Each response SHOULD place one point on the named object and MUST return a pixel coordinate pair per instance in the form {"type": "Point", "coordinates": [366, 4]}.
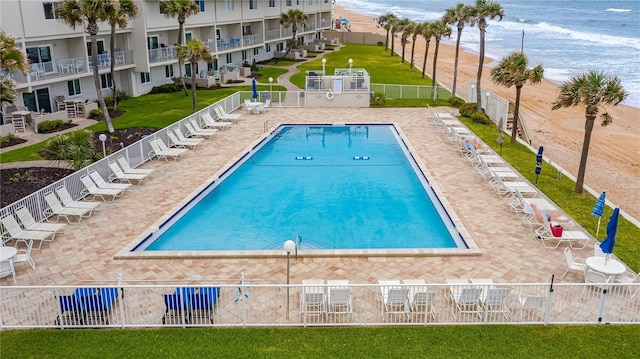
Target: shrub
{"type": "Point", "coordinates": [20, 177]}
{"type": "Point", "coordinates": [96, 114]}
{"type": "Point", "coordinates": [166, 88]}
{"type": "Point", "coordinates": [378, 99]}
{"type": "Point", "coordinates": [45, 126]}
{"type": "Point", "coordinates": [108, 100]}
{"type": "Point", "coordinates": [456, 102]}
{"type": "Point", "coordinates": [121, 95]}
{"type": "Point", "coordinates": [468, 109]}
{"type": "Point", "coordinates": [482, 118]}
{"type": "Point", "coordinates": [76, 146]}
{"type": "Point", "coordinates": [380, 43]}
{"type": "Point", "coordinates": [8, 138]}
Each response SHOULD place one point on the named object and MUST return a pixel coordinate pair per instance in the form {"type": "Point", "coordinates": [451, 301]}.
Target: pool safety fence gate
{"type": "Point", "coordinates": [211, 303]}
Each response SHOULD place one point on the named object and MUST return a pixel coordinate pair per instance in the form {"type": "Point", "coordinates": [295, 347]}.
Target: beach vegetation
{"type": "Point", "coordinates": [88, 14]}
{"type": "Point", "coordinates": [180, 9]}
{"type": "Point", "coordinates": [386, 22]}
{"type": "Point", "coordinates": [458, 15]}
{"type": "Point", "coordinates": [118, 14]}
{"type": "Point", "coordinates": [396, 27]}
{"type": "Point", "coordinates": [513, 70]}
{"type": "Point", "coordinates": [481, 118]}
{"type": "Point", "coordinates": [292, 19]}
{"type": "Point", "coordinates": [378, 99]}
{"type": "Point", "coordinates": [12, 60]}
{"type": "Point", "coordinates": [427, 33]}
{"type": "Point", "coordinates": [405, 26]}
{"type": "Point", "coordinates": [457, 102]}
{"type": "Point", "coordinates": [193, 52]}
{"type": "Point", "coordinates": [76, 147]}
{"type": "Point", "coordinates": [439, 30]}
{"type": "Point", "coordinates": [478, 15]}
{"type": "Point", "coordinates": [592, 89]}
{"type": "Point", "coordinates": [417, 30]}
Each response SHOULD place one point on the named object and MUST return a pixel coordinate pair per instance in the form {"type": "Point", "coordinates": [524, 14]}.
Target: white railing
{"type": "Point", "coordinates": [262, 303]}
{"type": "Point", "coordinates": [137, 154]}
{"type": "Point", "coordinates": [393, 91]}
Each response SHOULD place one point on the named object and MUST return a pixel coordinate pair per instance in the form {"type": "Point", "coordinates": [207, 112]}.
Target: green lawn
{"type": "Point", "coordinates": [489, 341]}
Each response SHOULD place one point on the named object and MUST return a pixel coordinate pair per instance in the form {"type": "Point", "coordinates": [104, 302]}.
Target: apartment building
{"type": "Point", "coordinates": [234, 30]}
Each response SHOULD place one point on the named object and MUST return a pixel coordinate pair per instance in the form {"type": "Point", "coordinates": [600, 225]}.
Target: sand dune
{"type": "Point", "coordinates": [614, 154]}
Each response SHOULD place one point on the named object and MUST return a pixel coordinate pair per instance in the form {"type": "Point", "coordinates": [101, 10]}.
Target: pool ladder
{"type": "Point", "coordinates": [268, 125]}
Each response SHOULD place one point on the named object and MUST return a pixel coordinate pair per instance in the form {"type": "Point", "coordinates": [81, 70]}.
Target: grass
{"type": "Point", "coordinates": [493, 341]}
{"type": "Point", "coordinates": [267, 72]}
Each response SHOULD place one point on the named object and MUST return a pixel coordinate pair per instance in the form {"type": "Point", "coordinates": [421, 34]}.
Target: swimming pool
{"type": "Point", "coordinates": [334, 186]}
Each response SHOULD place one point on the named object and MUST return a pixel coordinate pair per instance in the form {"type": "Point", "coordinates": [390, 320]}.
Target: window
{"type": "Point", "coordinates": [310, 2]}
{"type": "Point", "coordinates": [153, 42]}
{"type": "Point", "coordinates": [256, 51]}
{"type": "Point", "coordinates": [326, 1]}
{"type": "Point", "coordinates": [49, 10]}
{"type": "Point", "coordinates": [200, 4]}
{"type": "Point", "coordinates": [100, 47]}
{"type": "Point", "coordinates": [188, 36]}
{"type": "Point", "coordinates": [267, 47]}
{"type": "Point", "coordinates": [168, 71]}
{"type": "Point", "coordinates": [105, 81]}
{"type": "Point", "coordinates": [38, 99]}
{"type": "Point", "coordinates": [230, 5]}
{"type": "Point", "coordinates": [229, 58]}
{"type": "Point", "coordinates": [217, 34]}
{"type": "Point", "coordinates": [244, 55]}
{"type": "Point", "coordinates": [246, 30]}
{"type": "Point", "coordinates": [187, 70]}
{"type": "Point", "coordinates": [272, 3]}
{"type": "Point", "coordinates": [253, 4]}
{"type": "Point", "coordinates": [74, 87]}
{"type": "Point", "coordinates": [288, 3]}
{"type": "Point", "coordinates": [39, 54]}
{"type": "Point", "coordinates": [145, 77]}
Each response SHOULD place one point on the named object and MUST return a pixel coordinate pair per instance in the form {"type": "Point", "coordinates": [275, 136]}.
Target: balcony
{"type": "Point", "coordinates": [167, 53]}
{"type": "Point", "coordinates": [252, 40]}
{"type": "Point", "coordinates": [278, 34]}
{"type": "Point", "coordinates": [232, 43]}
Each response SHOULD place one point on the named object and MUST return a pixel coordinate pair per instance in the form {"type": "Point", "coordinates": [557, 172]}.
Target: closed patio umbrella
{"type": "Point", "coordinates": [609, 242]}
{"type": "Point", "coordinates": [254, 89]}
{"type": "Point", "coordinates": [598, 209]}
{"type": "Point", "coordinates": [500, 139]}
{"type": "Point", "coordinates": [539, 162]}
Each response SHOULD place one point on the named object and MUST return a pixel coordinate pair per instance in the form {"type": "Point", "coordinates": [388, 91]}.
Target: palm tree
{"type": "Point", "coordinates": [591, 89]}
{"type": "Point", "coordinates": [118, 13]}
{"type": "Point", "coordinates": [513, 71]}
{"type": "Point", "coordinates": [458, 15]}
{"type": "Point", "coordinates": [427, 33]}
{"type": "Point", "coordinates": [478, 14]}
{"type": "Point", "coordinates": [406, 26]}
{"type": "Point", "coordinates": [388, 25]}
{"type": "Point", "coordinates": [87, 13]}
{"type": "Point", "coordinates": [193, 51]}
{"type": "Point", "coordinates": [417, 30]}
{"type": "Point", "coordinates": [292, 18]}
{"type": "Point", "coordinates": [12, 59]}
{"type": "Point", "coordinates": [384, 21]}
{"type": "Point", "coordinates": [439, 29]}
{"type": "Point", "coordinates": [180, 9]}
{"type": "Point", "coordinates": [396, 27]}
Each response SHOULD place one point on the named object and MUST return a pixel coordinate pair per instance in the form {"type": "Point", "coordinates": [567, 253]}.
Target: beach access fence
{"type": "Point", "coordinates": [244, 303]}
{"type": "Point", "coordinates": [364, 38]}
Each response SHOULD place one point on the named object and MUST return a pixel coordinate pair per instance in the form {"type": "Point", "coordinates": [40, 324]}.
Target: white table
{"type": "Point", "coordinates": [6, 253]}
{"type": "Point", "coordinates": [612, 267]}
{"type": "Point", "coordinates": [255, 105]}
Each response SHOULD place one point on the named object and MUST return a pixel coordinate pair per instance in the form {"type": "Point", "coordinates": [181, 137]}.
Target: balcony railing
{"type": "Point", "coordinates": [161, 54]}
{"type": "Point", "coordinates": [252, 40]}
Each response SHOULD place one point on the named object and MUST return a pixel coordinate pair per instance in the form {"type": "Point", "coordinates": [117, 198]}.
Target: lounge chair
{"type": "Point", "coordinates": [420, 299]}
{"type": "Point", "coordinates": [17, 233]}
{"type": "Point", "coordinates": [339, 299]}
{"type": "Point", "coordinates": [466, 298]}
{"type": "Point", "coordinates": [394, 298]}
{"type": "Point", "coordinates": [212, 123]}
{"type": "Point", "coordinates": [56, 208]}
{"type": "Point", "coordinates": [68, 201]}
{"type": "Point", "coordinates": [202, 304]}
{"type": "Point", "coordinates": [181, 137]}
{"type": "Point", "coordinates": [201, 131]}
{"type": "Point", "coordinates": [71, 312]}
{"type": "Point", "coordinates": [312, 300]}
{"type": "Point", "coordinates": [127, 168]}
{"type": "Point", "coordinates": [97, 307]}
{"type": "Point", "coordinates": [90, 189]}
{"type": "Point", "coordinates": [29, 223]}
{"type": "Point", "coordinates": [177, 306]}
{"type": "Point", "coordinates": [118, 174]}
{"type": "Point", "coordinates": [569, 236]}
{"type": "Point", "coordinates": [162, 151]}
{"type": "Point", "coordinates": [101, 183]}
{"type": "Point", "coordinates": [177, 143]}
{"type": "Point", "coordinates": [225, 116]}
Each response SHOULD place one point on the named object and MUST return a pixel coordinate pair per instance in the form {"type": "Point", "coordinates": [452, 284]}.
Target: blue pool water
{"type": "Point", "coordinates": [337, 187]}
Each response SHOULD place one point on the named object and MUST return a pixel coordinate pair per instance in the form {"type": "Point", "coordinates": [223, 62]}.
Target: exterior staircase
{"type": "Point", "coordinates": [522, 132]}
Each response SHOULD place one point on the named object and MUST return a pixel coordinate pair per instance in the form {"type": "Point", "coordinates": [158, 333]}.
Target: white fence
{"type": "Point", "coordinates": [208, 303]}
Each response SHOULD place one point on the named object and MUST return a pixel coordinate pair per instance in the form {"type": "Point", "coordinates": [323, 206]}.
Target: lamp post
{"type": "Point", "coordinates": [270, 86]}
{"type": "Point", "coordinates": [289, 246]}
{"type": "Point", "coordinates": [472, 92]}
{"type": "Point", "coordinates": [350, 64]}
{"type": "Point", "coordinates": [103, 138]}
{"type": "Point", "coordinates": [486, 104]}
{"type": "Point", "coordinates": [324, 62]}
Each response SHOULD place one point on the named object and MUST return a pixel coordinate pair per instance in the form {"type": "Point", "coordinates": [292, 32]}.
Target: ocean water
{"type": "Point", "coordinates": [566, 37]}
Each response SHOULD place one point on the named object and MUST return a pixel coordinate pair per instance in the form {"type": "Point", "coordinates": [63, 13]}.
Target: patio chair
{"type": "Point", "coordinates": [210, 122]}
{"type": "Point", "coordinates": [17, 233]}
{"type": "Point", "coordinates": [101, 183]}
{"type": "Point", "coordinates": [531, 304]}
{"type": "Point", "coordinates": [596, 279]}
{"type": "Point", "coordinates": [573, 263]}
{"type": "Point", "coordinates": [160, 150]}
{"type": "Point", "coordinates": [68, 201]}
{"type": "Point", "coordinates": [394, 298]}
{"type": "Point", "coordinates": [177, 143]}
{"type": "Point", "coordinates": [127, 168]}
{"type": "Point", "coordinates": [225, 116]}
{"type": "Point", "coordinates": [56, 208]}
{"type": "Point", "coordinates": [494, 300]}
{"type": "Point", "coordinates": [267, 104]}
{"type": "Point", "coordinates": [629, 277]}
{"type": "Point", "coordinates": [420, 299]}
{"type": "Point", "coordinates": [29, 223]}
{"type": "Point", "coordinates": [24, 255]}
{"type": "Point", "coordinates": [312, 300]}
{"type": "Point", "coordinates": [339, 299]}
{"type": "Point", "coordinates": [6, 268]}
{"type": "Point", "coordinates": [90, 189]}
{"type": "Point", "coordinates": [118, 174]}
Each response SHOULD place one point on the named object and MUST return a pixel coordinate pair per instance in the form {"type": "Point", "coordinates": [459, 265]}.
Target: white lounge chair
{"type": "Point", "coordinates": [56, 208]}
{"type": "Point", "coordinates": [208, 132]}
{"type": "Point", "coordinates": [569, 236]}
{"type": "Point", "coordinates": [394, 298]}
{"type": "Point", "coordinates": [466, 298]}
{"type": "Point", "coordinates": [212, 123]}
{"type": "Point", "coordinates": [15, 232]}
{"type": "Point", "coordinates": [177, 143]}
{"type": "Point", "coordinates": [101, 183]}
{"type": "Point", "coordinates": [225, 116]}
{"type": "Point", "coordinates": [420, 299]}
{"type": "Point", "coordinates": [29, 223]}
{"type": "Point", "coordinates": [339, 299]}
{"type": "Point", "coordinates": [181, 137]}
{"type": "Point", "coordinates": [312, 300]}
{"type": "Point", "coordinates": [91, 189]}
{"type": "Point", "coordinates": [160, 150]}
{"type": "Point", "coordinates": [118, 174]}
{"type": "Point", "coordinates": [127, 168]}
{"type": "Point", "coordinates": [68, 201]}
{"type": "Point", "coordinates": [195, 133]}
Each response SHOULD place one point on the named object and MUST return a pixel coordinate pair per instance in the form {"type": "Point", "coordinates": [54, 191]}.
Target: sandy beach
{"type": "Point", "coordinates": [614, 154]}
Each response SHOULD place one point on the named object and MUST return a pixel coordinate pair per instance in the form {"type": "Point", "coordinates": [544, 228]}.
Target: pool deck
{"type": "Point", "coordinates": [508, 252]}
